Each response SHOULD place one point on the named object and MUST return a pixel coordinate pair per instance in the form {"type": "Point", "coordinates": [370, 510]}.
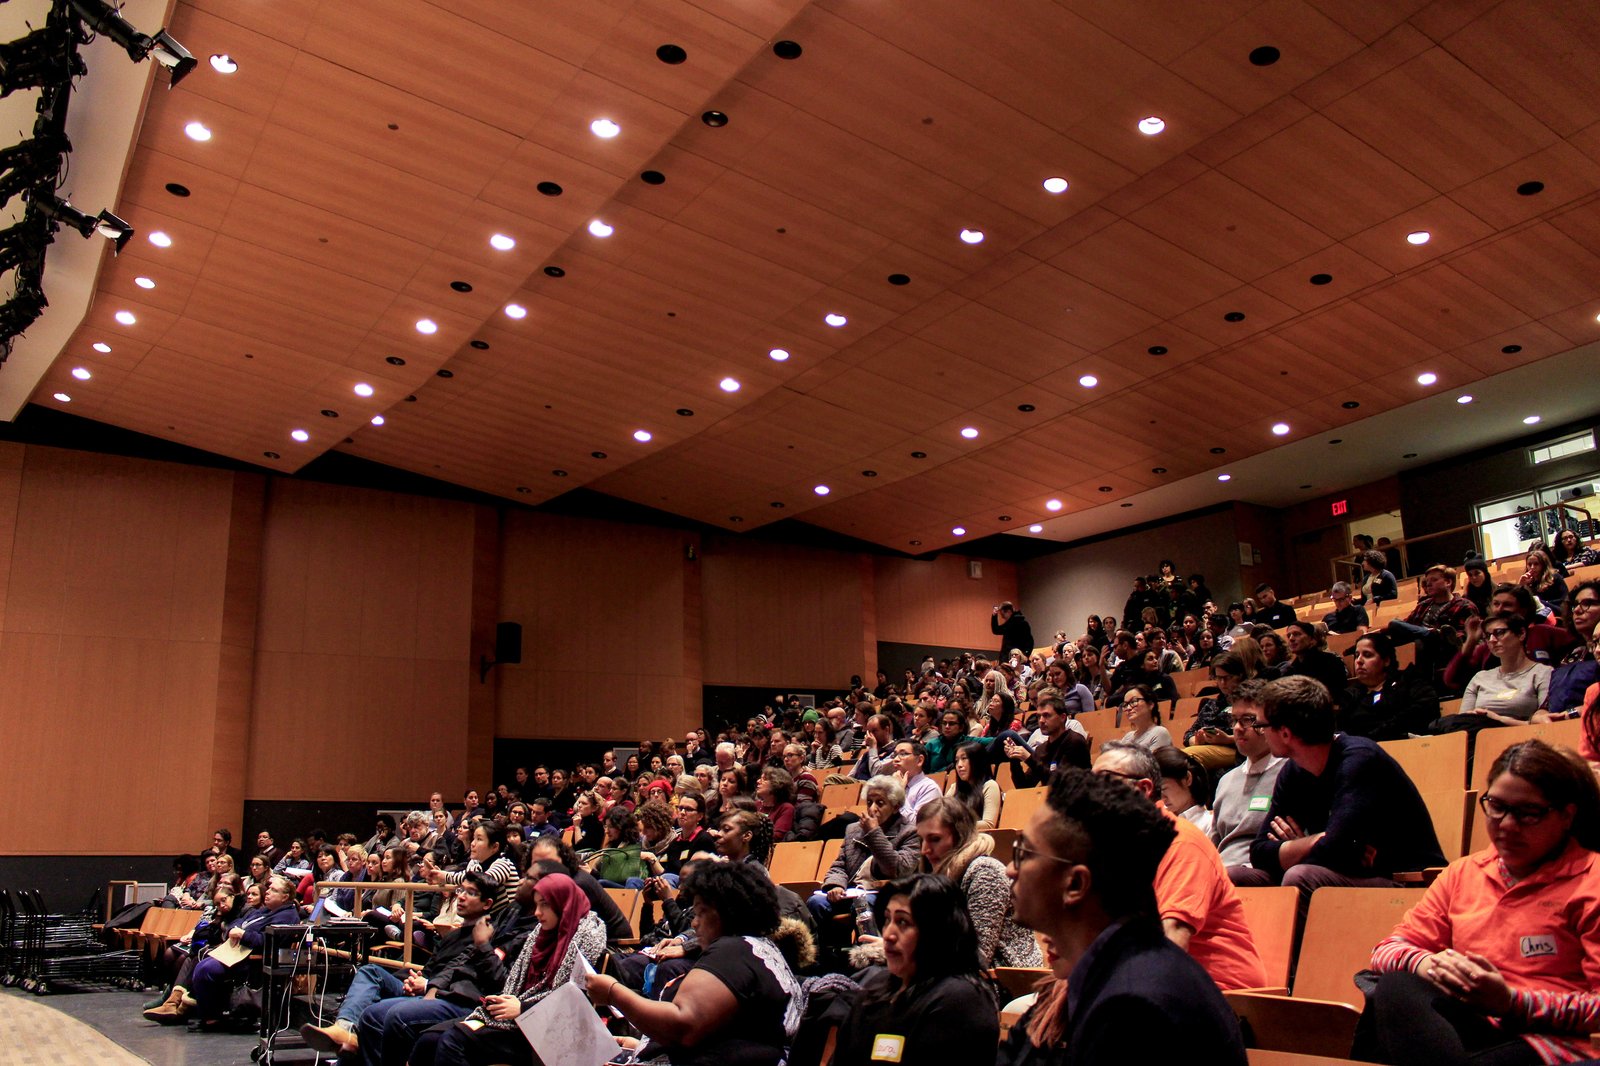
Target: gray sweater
{"type": "Point", "coordinates": [1240, 806]}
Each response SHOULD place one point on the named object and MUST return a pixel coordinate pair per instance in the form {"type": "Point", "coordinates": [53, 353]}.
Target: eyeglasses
{"type": "Point", "coordinates": [1528, 814]}
{"type": "Point", "coordinates": [1585, 604]}
{"type": "Point", "coordinates": [1020, 853]}
{"type": "Point", "coordinates": [688, 808]}
{"type": "Point", "coordinates": [1116, 773]}
{"type": "Point", "coordinates": [1494, 634]}
{"type": "Point", "coordinates": [1250, 723]}
{"type": "Point", "coordinates": [1132, 701]}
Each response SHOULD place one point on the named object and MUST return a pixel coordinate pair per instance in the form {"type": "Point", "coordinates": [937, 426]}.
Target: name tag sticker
{"type": "Point", "coordinates": [1535, 946]}
{"type": "Point", "coordinates": [1260, 803]}
{"type": "Point", "coordinates": [888, 1048]}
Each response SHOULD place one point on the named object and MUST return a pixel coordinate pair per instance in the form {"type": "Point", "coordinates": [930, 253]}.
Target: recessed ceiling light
{"type": "Point", "coordinates": [502, 242]}
{"type": "Point", "coordinates": [1151, 126]}
{"type": "Point", "coordinates": [1465, 397]}
{"type": "Point", "coordinates": [427, 326]}
{"type": "Point", "coordinates": [822, 490]}
{"type": "Point", "coordinates": [223, 63]}
{"type": "Point", "coordinates": [1088, 381]}
{"type": "Point", "coordinates": [1055, 186]}
{"type": "Point", "coordinates": [300, 435]}
{"type": "Point", "coordinates": [80, 373]}
{"type": "Point", "coordinates": [102, 347]}
{"type": "Point", "coordinates": [835, 320]}
{"type": "Point", "coordinates": [604, 128]}
{"type": "Point", "coordinates": [377, 420]}
{"type": "Point", "coordinates": [1420, 236]}
{"type": "Point", "coordinates": [970, 432]}
{"type": "Point", "coordinates": [959, 531]}
{"type": "Point", "coordinates": [600, 229]}
{"type": "Point", "coordinates": [1224, 477]}
{"type": "Point", "coordinates": [642, 436]}
{"type": "Point", "coordinates": [1052, 505]}
{"type": "Point", "coordinates": [160, 239]}
{"type": "Point", "coordinates": [516, 311]}
{"type": "Point", "coordinates": [363, 389]}
{"type": "Point", "coordinates": [972, 236]}
{"type": "Point", "coordinates": [729, 384]}
{"type": "Point", "coordinates": [1280, 429]}
{"type": "Point", "coordinates": [1427, 378]}
{"type": "Point", "coordinates": [126, 318]}
{"type": "Point", "coordinates": [63, 397]}
{"type": "Point", "coordinates": [779, 354]}
{"type": "Point", "coordinates": [1531, 420]}
{"type": "Point", "coordinates": [1035, 529]}
{"type": "Point", "coordinates": [197, 131]}
{"type": "Point", "coordinates": [144, 283]}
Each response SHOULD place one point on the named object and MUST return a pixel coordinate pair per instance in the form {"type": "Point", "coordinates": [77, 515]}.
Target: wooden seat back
{"type": "Point", "coordinates": [1343, 925]}
{"type": "Point", "coordinates": [1434, 764]}
{"type": "Point", "coordinates": [1492, 742]}
{"type": "Point", "coordinates": [1018, 806]}
{"type": "Point", "coordinates": [795, 862]}
{"type": "Point", "coordinates": [1270, 914]}
{"type": "Point", "coordinates": [838, 797]}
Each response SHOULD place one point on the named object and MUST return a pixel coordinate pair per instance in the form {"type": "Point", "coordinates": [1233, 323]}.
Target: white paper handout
{"type": "Point", "coordinates": [563, 1028]}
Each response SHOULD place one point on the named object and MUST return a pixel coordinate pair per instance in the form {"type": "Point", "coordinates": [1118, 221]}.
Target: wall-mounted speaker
{"type": "Point", "coordinates": [508, 642]}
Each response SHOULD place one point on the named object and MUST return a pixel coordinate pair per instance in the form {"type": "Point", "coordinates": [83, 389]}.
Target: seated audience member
{"type": "Point", "coordinates": [731, 785]}
{"type": "Point", "coordinates": [618, 857]}
{"type": "Point", "coordinates": [825, 752]}
{"type": "Point", "coordinates": [910, 759]}
{"type": "Point", "coordinates": [567, 931]}
{"type": "Point", "coordinates": [211, 980]}
{"type": "Point", "coordinates": [294, 858]}
{"type": "Point", "coordinates": [1274, 651]}
{"type": "Point", "coordinates": [1343, 811]}
{"type": "Point", "coordinates": [1199, 906]}
{"type": "Point", "coordinates": [1054, 745]}
{"type": "Point", "coordinates": [744, 836]}
{"type": "Point", "coordinates": [1140, 713]}
{"type": "Point", "coordinates": [587, 831]}
{"type": "Point", "coordinates": [1244, 794]}
{"type": "Point", "coordinates": [929, 1003]}
{"type": "Point", "coordinates": [384, 837]}
{"type": "Point", "coordinates": [881, 846]}
{"type": "Point", "coordinates": [1185, 788]}
{"type": "Point", "coordinates": [229, 903]}
{"type": "Point", "coordinates": [774, 798]}
{"type": "Point", "coordinates": [1511, 693]}
{"type": "Point", "coordinates": [1310, 659]}
{"type": "Point", "coordinates": [952, 847]}
{"type": "Point", "coordinates": [1385, 702]}
{"type": "Point", "coordinates": [1378, 585]}
{"type": "Point", "coordinates": [973, 784]}
{"type": "Point", "coordinates": [488, 855]}
{"type": "Point", "coordinates": [1081, 874]}
{"type": "Point", "coordinates": [326, 868]}
{"type": "Point", "coordinates": [384, 1012]}
{"type": "Point", "coordinates": [267, 849]}
{"type": "Point", "coordinates": [740, 1004]}
{"type": "Point", "coordinates": [1541, 643]}
{"type": "Point", "coordinates": [1576, 671]}
{"type": "Point", "coordinates": [808, 811]}
{"type": "Point", "coordinates": [689, 836]}
{"type": "Point", "coordinates": [1270, 611]}
{"type": "Point", "coordinates": [1210, 738]}
{"type": "Point", "coordinates": [1480, 587]}
{"type": "Point", "coordinates": [792, 758]}
{"type": "Point", "coordinates": [539, 823]}
{"type": "Point", "coordinates": [1498, 961]}
{"type": "Point", "coordinates": [941, 750]}
{"type": "Point", "coordinates": [1149, 676]}
{"type": "Point", "coordinates": [1568, 552]}
{"type": "Point", "coordinates": [1543, 579]}
{"type": "Point", "coordinates": [552, 855]}
{"type": "Point", "coordinates": [1439, 616]}
{"type": "Point", "coordinates": [1076, 697]}
{"type": "Point", "coordinates": [1168, 661]}
{"type": "Point", "coordinates": [1346, 616]}
{"type": "Point", "coordinates": [1217, 625]}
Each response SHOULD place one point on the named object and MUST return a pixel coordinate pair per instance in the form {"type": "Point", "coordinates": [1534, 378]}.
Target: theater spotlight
{"type": "Point", "coordinates": [31, 163]}
{"type": "Point", "coordinates": [47, 56]}
{"type": "Point", "coordinates": [105, 223]}
{"type": "Point", "coordinates": [102, 18]}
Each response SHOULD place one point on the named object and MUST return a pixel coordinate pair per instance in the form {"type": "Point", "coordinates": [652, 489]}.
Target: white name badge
{"type": "Point", "coordinates": [888, 1048]}
{"type": "Point", "coordinates": [1260, 803]}
{"type": "Point", "coordinates": [1534, 947]}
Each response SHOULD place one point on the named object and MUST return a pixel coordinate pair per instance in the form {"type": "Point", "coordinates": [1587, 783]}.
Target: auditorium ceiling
{"type": "Point", "coordinates": [1353, 208]}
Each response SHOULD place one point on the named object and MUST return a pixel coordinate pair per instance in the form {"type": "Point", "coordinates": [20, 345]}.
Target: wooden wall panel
{"type": "Point", "coordinates": [781, 615]}
{"type": "Point", "coordinates": [110, 667]}
{"type": "Point", "coordinates": [592, 595]}
{"type": "Point", "coordinates": [363, 645]}
{"type": "Point", "coordinates": [933, 601]}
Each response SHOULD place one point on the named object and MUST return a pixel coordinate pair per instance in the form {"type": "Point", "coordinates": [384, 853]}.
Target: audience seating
{"type": "Point", "coordinates": [1002, 775]}
{"type": "Point", "coordinates": [1491, 742]}
{"type": "Point", "coordinates": [1183, 712]}
{"type": "Point", "coordinates": [1319, 1015]}
{"type": "Point", "coordinates": [630, 901]}
{"type": "Point", "coordinates": [840, 797]}
{"type": "Point", "coordinates": [1342, 643]}
{"type": "Point", "coordinates": [1018, 980]}
{"type": "Point", "coordinates": [1018, 805]}
{"type": "Point", "coordinates": [1270, 913]}
{"type": "Point", "coordinates": [1189, 682]}
{"type": "Point", "coordinates": [1434, 764]}
{"type": "Point", "coordinates": [795, 865]}
{"type": "Point", "coordinates": [1101, 725]}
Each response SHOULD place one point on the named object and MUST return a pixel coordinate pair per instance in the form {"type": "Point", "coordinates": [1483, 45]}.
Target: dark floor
{"type": "Point", "coordinates": [117, 1015]}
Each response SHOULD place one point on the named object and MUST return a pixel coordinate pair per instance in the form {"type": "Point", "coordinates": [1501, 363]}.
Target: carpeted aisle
{"type": "Point", "coordinates": [34, 1034]}
{"type": "Point", "coordinates": [106, 1029]}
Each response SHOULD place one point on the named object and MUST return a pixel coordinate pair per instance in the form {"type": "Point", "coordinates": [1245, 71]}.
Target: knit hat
{"type": "Point", "coordinates": [812, 715]}
{"type": "Point", "coordinates": [1474, 561]}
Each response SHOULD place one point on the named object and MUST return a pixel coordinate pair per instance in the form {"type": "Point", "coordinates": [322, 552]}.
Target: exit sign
{"type": "Point", "coordinates": [1340, 507]}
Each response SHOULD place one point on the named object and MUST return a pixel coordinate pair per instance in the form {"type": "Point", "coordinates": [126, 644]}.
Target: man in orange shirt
{"type": "Point", "coordinates": [1200, 909]}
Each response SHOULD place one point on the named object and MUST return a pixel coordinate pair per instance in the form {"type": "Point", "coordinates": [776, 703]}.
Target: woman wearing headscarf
{"type": "Point", "coordinates": [567, 930]}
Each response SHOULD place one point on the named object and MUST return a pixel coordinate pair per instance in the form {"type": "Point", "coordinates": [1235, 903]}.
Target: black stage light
{"type": "Point", "coordinates": [47, 56]}
{"type": "Point", "coordinates": [105, 223]}
{"type": "Point", "coordinates": [102, 18]}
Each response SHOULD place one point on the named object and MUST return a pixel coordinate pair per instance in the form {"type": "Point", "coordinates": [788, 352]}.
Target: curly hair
{"type": "Point", "coordinates": [741, 894]}
{"type": "Point", "coordinates": [1113, 830]}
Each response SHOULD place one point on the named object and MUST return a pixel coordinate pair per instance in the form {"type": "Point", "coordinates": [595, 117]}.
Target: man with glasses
{"type": "Point", "coordinates": [1081, 873]}
{"type": "Point", "coordinates": [1344, 812]}
{"type": "Point", "coordinates": [1346, 616]}
{"type": "Point", "coordinates": [1244, 794]}
{"type": "Point", "coordinates": [1577, 671]}
{"type": "Point", "coordinates": [1200, 910]}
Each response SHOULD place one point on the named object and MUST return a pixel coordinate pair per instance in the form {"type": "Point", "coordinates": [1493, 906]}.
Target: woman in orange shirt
{"type": "Point", "coordinates": [1497, 963]}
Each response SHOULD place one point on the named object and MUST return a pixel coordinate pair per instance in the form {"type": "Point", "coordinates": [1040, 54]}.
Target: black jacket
{"type": "Point", "coordinates": [1014, 633]}
{"type": "Point", "coordinates": [464, 973]}
{"type": "Point", "coordinates": [1406, 704]}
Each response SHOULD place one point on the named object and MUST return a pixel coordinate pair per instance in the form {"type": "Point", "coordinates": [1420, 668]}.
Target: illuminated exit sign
{"type": "Point", "coordinates": [1340, 507]}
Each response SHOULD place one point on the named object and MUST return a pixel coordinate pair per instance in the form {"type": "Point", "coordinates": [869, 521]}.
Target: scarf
{"type": "Point", "coordinates": [550, 945]}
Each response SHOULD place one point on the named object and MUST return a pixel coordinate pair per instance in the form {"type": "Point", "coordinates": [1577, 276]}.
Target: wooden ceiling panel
{"type": "Point", "coordinates": [1158, 30]}
{"type": "Point", "coordinates": [571, 32]}
{"type": "Point", "coordinates": [1327, 177]}
{"type": "Point", "coordinates": [1309, 40]}
{"type": "Point", "coordinates": [239, 264]}
{"type": "Point", "coordinates": [1369, 20]}
{"type": "Point", "coordinates": [1567, 174]}
{"type": "Point", "coordinates": [1578, 324]}
{"type": "Point", "coordinates": [324, 240]}
{"type": "Point", "coordinates": [210, 193]}
{"type": "Point", "coordinates": [1225, 224]}
{"type": "Point", "coordinates": [233, 132]}
{"type": "Point", "coordinates": [744, 141]}
{"type": "Point", "coordinates": [1250, 131]}
{"type": "Point", "coordinates": [989, 337]}
{"type": "Point", "coordinates": [288, 21]}
{"type": "Point", "coordinates": [253, 87]}
{"type": "Point", "coordinates": [1397, 115]}
{"type": "Point", "coordinates": [872, 396]}
{"type": "Point", "coordinates": [1143, 350]}
{"type": "Point", "coordinates": [1350, 270]}
{"type": "Point", "coordinates": [585, 189]}
{"type": "Point", "coordinates": [1445, 306]}
{"type": "Point", "coordinates": [1399, 45]}
{"type": "Point", "coordinates": [1190, 113]}
{"type": "Point", "coordinates": [1450, 228]}
{"type": "Point", "coordinates": [1261, 312]}
{"type": "Point", "coordinates": [1053, 301]}
{"type": "Point", "coordinates": [171, 292]}
{"type": "Point", "coordinates": [1153, 184]}
{"type": "Point", "coordinates": [718, 272]}
{"type": "Point", "coordinates": [930, 368]}
{"type": "Point", "coordinates": [1539, 270]}
{"type": "Point", "coordinates": [717, 48]}
{"type": "Point", "coordinates": [1353, 332]}
{"type": "Point", "coordinates": [1537, 53]}
{"type": "Point", "coordinates": [1136, 265]}
{"type": "Point", "coordinates": [1265, 357]}
{"type": "Point", "coordinates": [646, 125]}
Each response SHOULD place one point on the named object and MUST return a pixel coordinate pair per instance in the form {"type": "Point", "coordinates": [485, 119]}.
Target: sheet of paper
{"type": "Point", "coordinates": [228, 953]}
{"type": "Point", "coordinates": [563, 1028]}
{"type": "Point", "coordinates": [580, 977]}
